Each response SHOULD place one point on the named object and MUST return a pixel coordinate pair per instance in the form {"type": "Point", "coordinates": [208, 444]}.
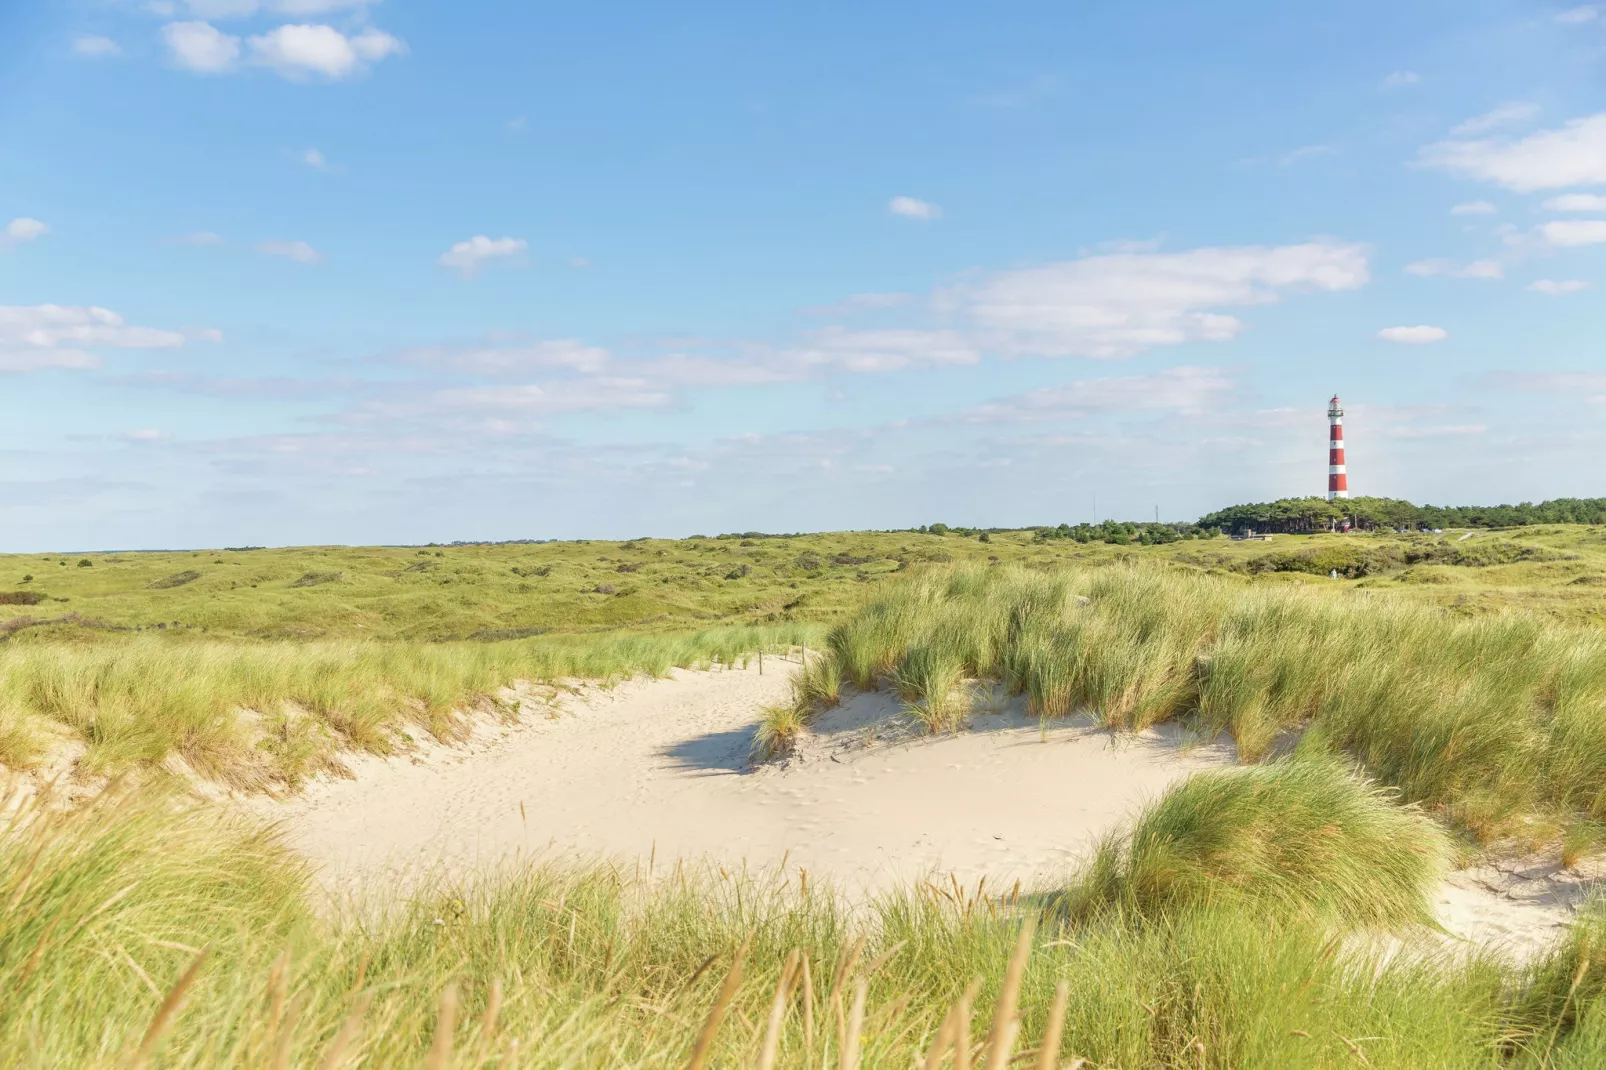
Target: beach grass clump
{"type": "Point", "coordinates": [1302, 836]}
{"type": "Point", "coordinates": [144, 932]}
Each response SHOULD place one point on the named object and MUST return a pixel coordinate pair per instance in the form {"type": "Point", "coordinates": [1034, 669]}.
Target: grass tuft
{"type": "Point", "coordinates": [1294, 837]}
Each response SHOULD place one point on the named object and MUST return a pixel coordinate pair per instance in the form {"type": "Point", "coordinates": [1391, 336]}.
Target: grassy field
{"type": "Point", "coordinates": [258, 666]}
{"type": "Point", "coordinates": [488, 593]}
{"type": "Point", "coordinates": [143, 934]}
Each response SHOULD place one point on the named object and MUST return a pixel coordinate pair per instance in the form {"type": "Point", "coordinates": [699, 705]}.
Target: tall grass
{"type": "Point", "coordinates": [1292, 837]}
{"type": "Point", "coordinates": [253, 713]}
{"type": "Point", "coordinates": [1489, 719]}
{"type": "Point", "coordinates": [110, 908]}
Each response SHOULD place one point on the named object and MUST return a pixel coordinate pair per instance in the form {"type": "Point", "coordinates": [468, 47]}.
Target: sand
{"type": "Point", "coordinates": [657, 770]}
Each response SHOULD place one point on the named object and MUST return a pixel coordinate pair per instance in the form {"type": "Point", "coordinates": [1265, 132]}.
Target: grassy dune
{"type": "Point", "coordinates": [1492, 721]}
{"type": "Point", "coordinates": [257, 666]}
{"type": "Point", "coordinates": [252, 714]}
{"type": "Point", "coordinates": [110, 909]}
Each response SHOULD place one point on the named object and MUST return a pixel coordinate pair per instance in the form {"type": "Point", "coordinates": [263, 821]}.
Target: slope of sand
{"type": "Point", "coordinates": [658, 770]}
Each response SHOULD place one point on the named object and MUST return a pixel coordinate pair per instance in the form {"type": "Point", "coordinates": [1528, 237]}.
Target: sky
{"type": "Point", "coordinates": [284, 272]}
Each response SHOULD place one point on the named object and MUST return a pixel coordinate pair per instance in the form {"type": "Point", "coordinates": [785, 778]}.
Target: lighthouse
{"type": "Point", "coordinates": [1337, 480]}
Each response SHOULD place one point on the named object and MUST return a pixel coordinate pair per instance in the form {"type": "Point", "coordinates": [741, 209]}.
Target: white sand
{"type": "Point", "coordinates": [658, 769]}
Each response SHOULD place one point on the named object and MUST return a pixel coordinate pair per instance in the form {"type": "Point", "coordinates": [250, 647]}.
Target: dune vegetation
{"type": "Point", "coordinates": [259, 666]}
{"type": "Point", "coordinates": [1492, 722]}
{"type": "Point", "coordinates": [143, 933]}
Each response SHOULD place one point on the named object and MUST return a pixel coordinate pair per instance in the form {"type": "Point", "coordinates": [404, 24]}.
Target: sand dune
{"type": "Point", "coordinates": [658, 770]}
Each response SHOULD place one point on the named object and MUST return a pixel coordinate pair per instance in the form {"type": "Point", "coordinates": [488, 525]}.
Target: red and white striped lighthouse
{"type": "Point", "coordinates": [1337, 479]}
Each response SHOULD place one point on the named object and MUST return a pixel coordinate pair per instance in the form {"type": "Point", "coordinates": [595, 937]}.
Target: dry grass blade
{"type": "Point", "coordinates": [833, 998]}
{"type": "Point", "coordinates": [278, 987]}
{"type": "Point", "coordinates": [165, 1014]}
{"type": "Point", "coordinates": [940, 1043]}
{"type": "Point", "coordinates": [808, 1013]}
{"type": "Point", "coordinates": [493, 1007]}
{"type": "Point", "coordinates": [348, 1033]}
{"type": "Point", "coordinates": [883, 958]}
{"type": "Point", "coordinates": [772, 1029]}
{"type": "Point", "coordinates": [962, 1026]}
{"type": "Point", "coordinates": [1001, 1038]}
{"type": "Point", "coordinates": [287, 1033]}
{"type": "Point", "coordinates": [716, 1013]}
{"type": "Point", "coordinates": [1049, 1052]}
{"type": "Point", "coordinates": [440, 1052]}
{"type": "Point", "coordinates": [849, 1059]}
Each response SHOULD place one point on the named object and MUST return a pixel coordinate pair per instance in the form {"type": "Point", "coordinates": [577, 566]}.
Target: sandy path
{"type": "Point", "coordinates": [658, 769]}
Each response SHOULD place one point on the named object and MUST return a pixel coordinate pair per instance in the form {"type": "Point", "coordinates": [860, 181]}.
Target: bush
{"type": "Point", "coordinates": [22, 598]}
{"type": "Point", "coordinates": [177, 579]}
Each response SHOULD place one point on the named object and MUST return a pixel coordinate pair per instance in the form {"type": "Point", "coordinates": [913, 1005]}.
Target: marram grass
{"type": "Point", "coordinates": [1489, 721]}
{"type": "Point", "coordinates": [142, 933]}
{"type": "Point", "coordinates": [257, 713]}
{"type": "Point", "coordinates": [1289, 838]}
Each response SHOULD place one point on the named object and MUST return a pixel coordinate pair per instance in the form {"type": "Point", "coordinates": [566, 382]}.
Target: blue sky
{"type": "Point", "coordinates": [315, 271]}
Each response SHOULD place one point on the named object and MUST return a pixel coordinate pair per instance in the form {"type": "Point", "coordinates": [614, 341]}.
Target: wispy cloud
{"type": "Point", "coordinates": [1401, 79]}
{"type": "Point", "coordinates": [1571, 155]}
{"type": "Point", "coordinates": [299, 251]}
{"type": "Point", "coordinates": [467, 258]}
{"type": "Point", "coordinates": [1570, 232]}
{"type": "Point", "coordinates": [20, 231]}
{"type": "Point", "coordinates": [1477, 269]}
{"type": "Point", "coordinates": [34, 337]}
{"type": "Point", "coordinates": [914, 208]}
{"type": "Point", "coordinates": [1419, 335]}
{"type": "Point", "coordinates": [1504, 115]}
{"type": "Point", "coordinates": [94, 46]}
{"type": "Point", "coordinates": [1558, 287]}
{"type": "Point", "coordinates": [1474, 208]}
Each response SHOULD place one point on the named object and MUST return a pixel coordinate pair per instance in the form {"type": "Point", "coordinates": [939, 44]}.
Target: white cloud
{"type": "Point", "coordinates": [1185, 389]}
{"type": "Point", "coordinates": [1504, 115]}
{"type": "Point", "coordinates": [1573, 155]}
{"type": "Point", "coordinates": [1577, 15]}
{"type": "Point", "coordinates": [299, 251]}
{"type": "Point", "coordinates": [95, 46]}
{"type": "Point", "coordinates": [1570, 232]}
{"type": "Point", "coordinates": [512, 361]}
{"type": "Point", "coordinates": [1577, 202]}
{"type": "Point", "coordinates": [891, 349]}
{"type": "Point", "coordinates": [297, 51]}
{"type": "Point", "coordinates": [33, 337]}
{"type": "Point", "coordinates": [314, 159]}
{"type": "Point", "coordinates": [1557, 288]}
{"type": "Point", "coordinates": [221, 9]}
{"type": "Point", "coordinates": [20, 230]}
{"type": "Point", "coordinates": [468, 257]}
{"type": "Point", "coordinates": [914, 208]}
{"type": "Point", "coordinates": [1474, 208]}
{"type": "Point", "coordinates": [201, 47]}
{"type": "Point", "coordinates": [1119, 304]}
{"type": "Point", "coordinates": [1413, 335]}
{"type": "Point", "coordinates": [145, 434]}
{"type": "Point", "coordinates": [1477, 269]}
{"type": "Point", "coordinates": [1401, 79]}
{"type": "Point", "coordinates": [318, 7]}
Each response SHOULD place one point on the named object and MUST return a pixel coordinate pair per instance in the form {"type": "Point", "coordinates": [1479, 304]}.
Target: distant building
{"type": "Point", "coordinates": [1337, 478]}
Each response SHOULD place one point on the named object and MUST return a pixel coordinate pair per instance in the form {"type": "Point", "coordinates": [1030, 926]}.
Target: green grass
{"type": "Point", "coordinates": [1492, 721]}
{"type": "Point", "coordinates": [260, 666]}
{"type": "Point", "coordinates": [259, 714]}
{"type": "Point", "coordinates": [1290, 838]}
{"type": "Point", "coordinates": [109, 907]}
